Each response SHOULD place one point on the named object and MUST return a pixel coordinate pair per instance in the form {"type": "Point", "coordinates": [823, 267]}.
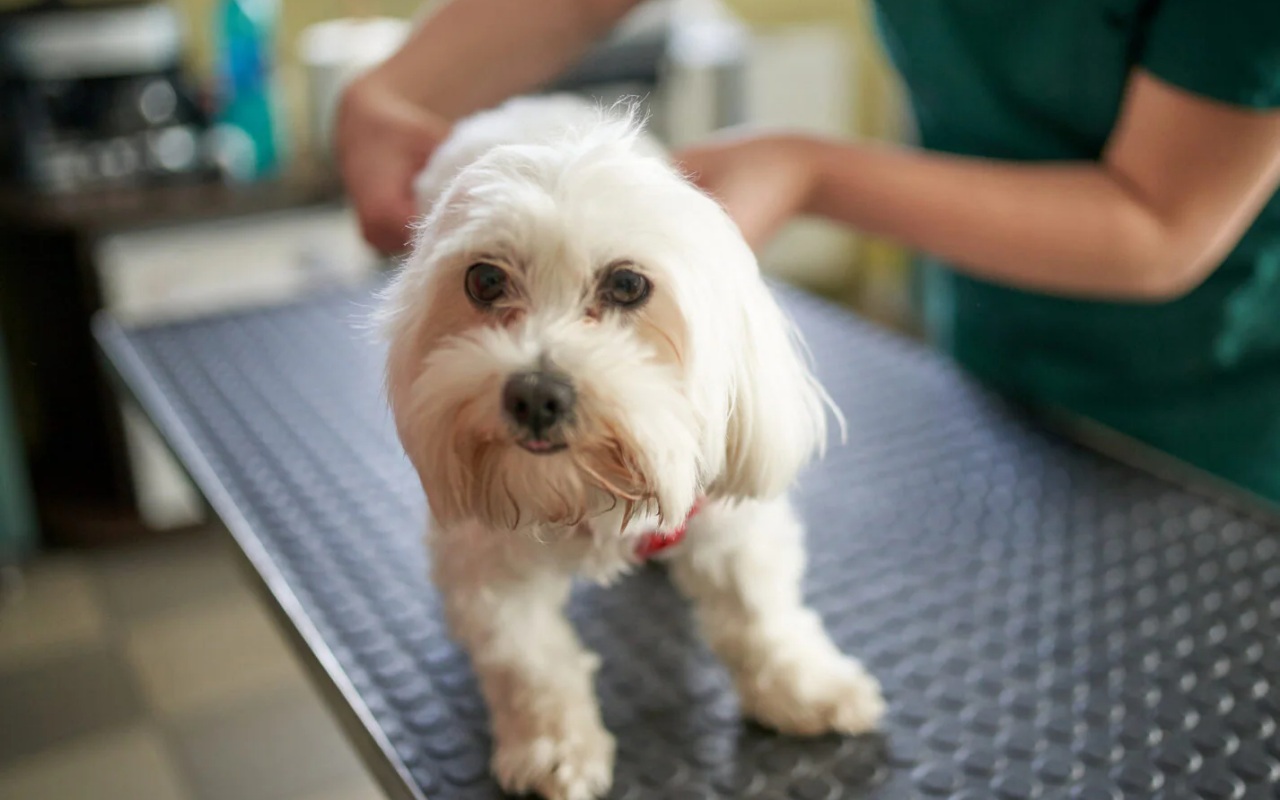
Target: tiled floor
{"type": "Point", "coordinates": [152, 673]}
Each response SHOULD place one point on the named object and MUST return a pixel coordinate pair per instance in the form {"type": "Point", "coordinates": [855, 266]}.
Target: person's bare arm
{"type": "Point", "coordinates": [1180, 181]}
{"type": "Point", "coordinates": [465, 56]}
{"type": "Point", "coordinates": [470, 54]}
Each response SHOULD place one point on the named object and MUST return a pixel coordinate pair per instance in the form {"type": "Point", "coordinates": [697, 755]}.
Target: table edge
{"type": "Point", "coordinates": [123, 365]}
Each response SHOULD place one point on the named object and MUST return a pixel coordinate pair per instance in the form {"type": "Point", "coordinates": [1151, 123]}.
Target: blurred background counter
{"type": "Point", "coordinates": [165, 159]}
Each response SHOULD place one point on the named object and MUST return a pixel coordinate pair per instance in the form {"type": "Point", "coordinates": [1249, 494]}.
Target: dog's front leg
{"type": "Point", "coordinates": [536, 676]}
{"type": "Point", "coordinates": [742, 565]}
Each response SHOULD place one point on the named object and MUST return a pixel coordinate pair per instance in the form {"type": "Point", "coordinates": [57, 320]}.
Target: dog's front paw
{"type": "Point", "coordinates": [808, 695]}
{"type": "Point", "coordinates": [574, 766]}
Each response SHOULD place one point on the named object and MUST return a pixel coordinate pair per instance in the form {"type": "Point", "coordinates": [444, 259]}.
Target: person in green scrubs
{"type": "Point", "coordinates": [1095, 187]}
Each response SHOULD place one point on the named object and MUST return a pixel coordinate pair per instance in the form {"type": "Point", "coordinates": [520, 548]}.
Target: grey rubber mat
{"type": "Point", "coordinates": [1046, 622]}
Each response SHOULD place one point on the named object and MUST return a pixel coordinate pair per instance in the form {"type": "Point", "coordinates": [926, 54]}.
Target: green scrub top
{"type": "Point", "coordinates": [1198, 377]}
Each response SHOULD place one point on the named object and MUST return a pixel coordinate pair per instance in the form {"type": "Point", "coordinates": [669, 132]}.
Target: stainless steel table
{"type": "Point", "coordinates": [1047, 622]}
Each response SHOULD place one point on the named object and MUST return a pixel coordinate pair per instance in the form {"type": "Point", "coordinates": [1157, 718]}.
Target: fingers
{"type": "Point", "coordinates": [383, 142]}
{"type": "Point", "coordinates": [760, 181]}
{"type": "Point", "coordinates": [380, 191]}
{"type": "Point", "coordinates": [385, 223]}
{"type": "Point", "coordinates": [384, 234]}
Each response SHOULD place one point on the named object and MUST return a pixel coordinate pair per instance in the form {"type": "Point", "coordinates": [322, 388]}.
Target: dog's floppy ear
{"type": "Point", "coordinates": [777, 416]}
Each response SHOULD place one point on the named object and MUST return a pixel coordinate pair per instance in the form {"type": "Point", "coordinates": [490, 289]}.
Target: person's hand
{"type": "Point", "coordinates": [383, 141]}
{"type": "Point", "coordinates": [761, 180]}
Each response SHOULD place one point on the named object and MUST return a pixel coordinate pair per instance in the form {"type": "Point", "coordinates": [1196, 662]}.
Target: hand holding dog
{"type": "Point", "coordinates": [385, 141]}
{"type": "Point", "coordinates": [762, 180]}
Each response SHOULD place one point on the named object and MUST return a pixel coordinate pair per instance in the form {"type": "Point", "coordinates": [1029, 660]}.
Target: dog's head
{"type": "Point", "coordinates": [579, 330]}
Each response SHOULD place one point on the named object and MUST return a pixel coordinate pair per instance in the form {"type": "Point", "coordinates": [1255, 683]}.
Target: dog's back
{"type": "Point", "coordinates": [536, 120]}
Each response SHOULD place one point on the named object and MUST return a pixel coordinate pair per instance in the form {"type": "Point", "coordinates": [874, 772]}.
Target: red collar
{"type": "Point", "coordinates": [657, 541]}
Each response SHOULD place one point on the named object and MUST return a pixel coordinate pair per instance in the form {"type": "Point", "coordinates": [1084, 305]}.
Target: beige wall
{"type": "Point", "coordinates": [877, 110]}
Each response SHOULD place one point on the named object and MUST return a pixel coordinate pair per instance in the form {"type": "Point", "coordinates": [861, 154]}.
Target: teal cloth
{"type": "Point", "coordinates": [17, 516]}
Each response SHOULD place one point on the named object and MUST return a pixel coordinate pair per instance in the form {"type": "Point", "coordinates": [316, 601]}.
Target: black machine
{"type": "Point", "coordinates": [96, 98]}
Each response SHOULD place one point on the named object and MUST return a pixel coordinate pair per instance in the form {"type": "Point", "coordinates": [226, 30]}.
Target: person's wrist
{"type": "Point", "coordinates": [409, 82]}
{"type": "Point", "coordinates": [801, 153]}
{"type": "Point", "coordinates": [390, 85]}
{"type": "Point", "coordinates": [380, 85]}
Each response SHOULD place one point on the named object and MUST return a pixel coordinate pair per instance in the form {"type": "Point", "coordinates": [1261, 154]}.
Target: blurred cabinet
{"type": "Point", "coordinates": [201, 268]}
{"type": "Point", "coordinates": [64, 258]}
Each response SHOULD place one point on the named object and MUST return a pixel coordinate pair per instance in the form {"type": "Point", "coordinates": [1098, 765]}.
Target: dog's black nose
{"type": "Point", "coordinates": [537, 401]}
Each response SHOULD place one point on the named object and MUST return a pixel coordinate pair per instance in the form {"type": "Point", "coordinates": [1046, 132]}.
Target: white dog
{"type": "Point", "coordinates": [585, 366]}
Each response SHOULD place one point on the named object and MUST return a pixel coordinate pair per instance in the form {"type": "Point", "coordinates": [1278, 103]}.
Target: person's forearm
{"type": "Point", "coordinates": [1060, 228]}
{"type": "Point", "coordinates": [470, 54]}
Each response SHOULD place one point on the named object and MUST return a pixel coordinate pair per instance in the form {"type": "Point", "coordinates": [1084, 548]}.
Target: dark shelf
{"type": "Point", "coordinates": [120, 209]}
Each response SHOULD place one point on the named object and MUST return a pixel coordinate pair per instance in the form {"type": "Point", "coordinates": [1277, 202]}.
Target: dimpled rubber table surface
{"type": "Point", "coordinates": [1046, 622]}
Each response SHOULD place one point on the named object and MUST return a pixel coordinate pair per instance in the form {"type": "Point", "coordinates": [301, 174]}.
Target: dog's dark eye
{"type": "Point", "coordinates": [624, 287]}
{"type": "Point", "coordinates": [486, 283]}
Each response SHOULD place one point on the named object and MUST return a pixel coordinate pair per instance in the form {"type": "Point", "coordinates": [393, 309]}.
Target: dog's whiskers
{"type": "Point", "coordinates": [506, 488]}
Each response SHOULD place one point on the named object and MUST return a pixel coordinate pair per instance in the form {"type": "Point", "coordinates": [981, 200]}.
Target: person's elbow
{"type": "Point", "coordinates": [1171, 276]}
{"type": "Point", "coordinates": [1161, 263]}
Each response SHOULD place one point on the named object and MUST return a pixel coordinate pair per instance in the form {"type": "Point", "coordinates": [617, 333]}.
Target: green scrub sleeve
{"type": "Point", "coordinates": [1227, 50]}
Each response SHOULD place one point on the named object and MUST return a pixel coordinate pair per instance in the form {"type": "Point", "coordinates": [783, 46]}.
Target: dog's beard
{"type": "Point", "coordinates": [503, 486]}
{"type": "Point", "coordinates": [500, 484]}
{"type": "Point", "coordinates": [632, 446]}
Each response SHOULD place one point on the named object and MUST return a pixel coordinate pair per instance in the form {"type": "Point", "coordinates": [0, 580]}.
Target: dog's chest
{"type": "Point", "coordinates": [606, 553]}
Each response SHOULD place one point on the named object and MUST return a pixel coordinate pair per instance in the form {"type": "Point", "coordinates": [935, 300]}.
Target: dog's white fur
{"type": "Point", "coordinates": [701, 393]}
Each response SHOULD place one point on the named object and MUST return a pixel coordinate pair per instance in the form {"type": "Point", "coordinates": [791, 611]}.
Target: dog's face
{"type": "Point", "coordinates": [581, 331]}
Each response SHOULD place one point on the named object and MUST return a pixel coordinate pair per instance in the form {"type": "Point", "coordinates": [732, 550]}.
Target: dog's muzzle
{"type": "Point", "coordinates": [539, 404]}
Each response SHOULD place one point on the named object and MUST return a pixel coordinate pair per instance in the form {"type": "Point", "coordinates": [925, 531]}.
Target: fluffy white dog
{"type": "Point", "coordinates": [587, 371]}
